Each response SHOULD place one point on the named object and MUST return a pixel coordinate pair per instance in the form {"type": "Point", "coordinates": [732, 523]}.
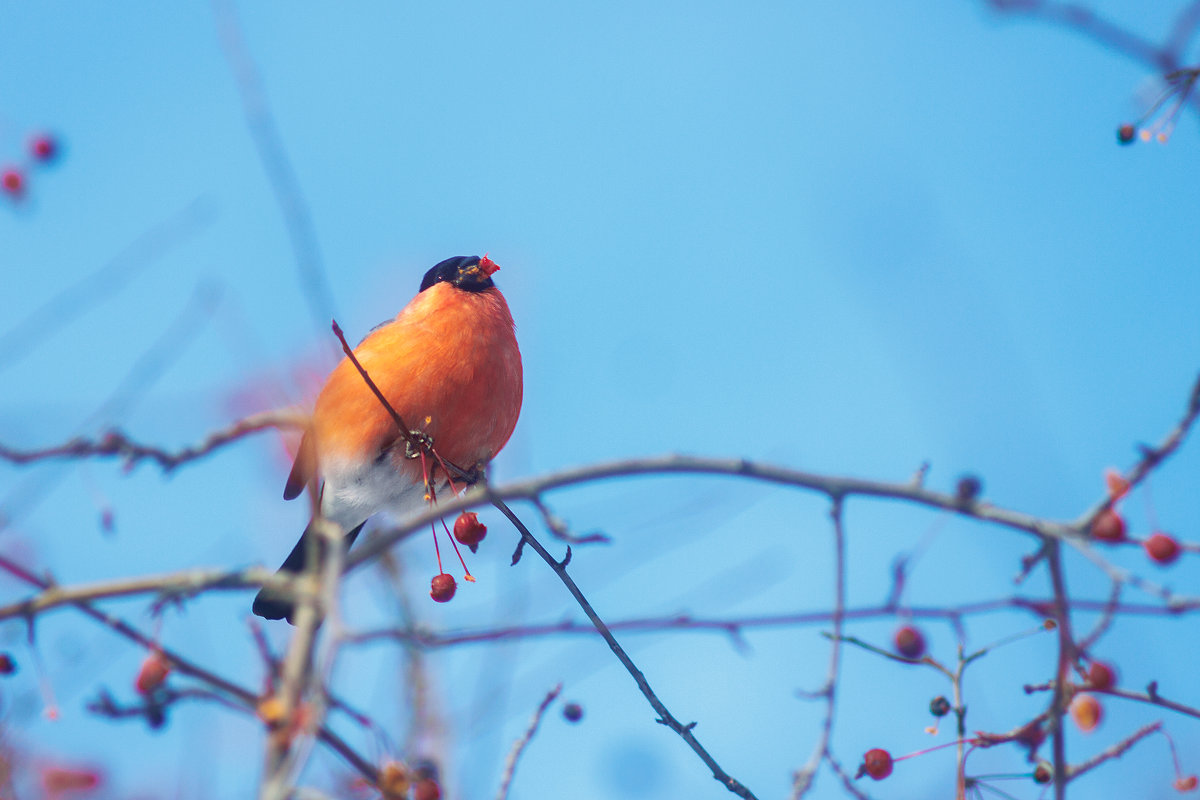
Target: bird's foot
{"type": "Point", "coordinates": [417, 444]}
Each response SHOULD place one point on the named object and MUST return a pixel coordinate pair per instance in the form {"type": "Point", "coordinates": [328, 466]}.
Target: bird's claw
{"type": "Point", "coordinates": [423, 442]}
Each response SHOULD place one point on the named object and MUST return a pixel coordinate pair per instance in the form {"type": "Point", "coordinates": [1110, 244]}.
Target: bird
{"type": "Point", "coordinates": [449, 365]}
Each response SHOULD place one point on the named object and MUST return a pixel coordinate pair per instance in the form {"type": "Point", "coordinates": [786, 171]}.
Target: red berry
{"type": "Point", "coordinates": [1043, 772]}
{"type": "Point", "coordinates": [153, 672]}
{"type": "Point", "coordinates": [909, 642]}
{"type": "Point", "coordinates": [1087, 712]}
{"type": "Point", "coordinates": [877, 763]}
{"type": "Point", "coordinates": [7, 665]}
{"type": "Point", "coordinates": [1126, 133]}
{"type": "Point", "coordinates": [44, 147]}
{"type": "Point", "coordinates": [443, 588]}
{"type": "Point", "coordinates": [58, 781]}
{"type": "Point", "coordinates": [13, 181]}
{"type": "Point", "coordinates": [1162, 548]}
{"type": "Point", "coordinates": [427, 790]}
{"type": "Point", "coordinates": [1187, 784]}
{"type": "Point", "coordinates": [469, 530]}
{"type": "Point", "coordinates": [1108, 526]}
{"type": "Point", "coordinates": [1101, 676]}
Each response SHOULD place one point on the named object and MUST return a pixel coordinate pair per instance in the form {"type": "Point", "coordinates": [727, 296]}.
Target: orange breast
{"type": "Point", "coordinates": [448, 363]}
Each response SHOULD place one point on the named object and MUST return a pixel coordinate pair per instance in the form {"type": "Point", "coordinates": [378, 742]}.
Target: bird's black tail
{"type": "Point", "coordinates": [274, 604]}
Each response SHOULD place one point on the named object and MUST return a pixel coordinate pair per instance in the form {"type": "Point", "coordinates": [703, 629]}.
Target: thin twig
{"type": "Point", "coordinates": [428, 639]}
{"type": "Point", "coordinates": [116, 444]}
{"type": "Point", "coordinates": [664, 716]}
{"type": "Point", "coordinates": [510, 765]}
{"type": "Point", "coordinates": [67, 305]}
{"type": "Point", "coordinates": [803, 779]}
{"type": "Point", "coordinates": [267, 141]}
{"type": "Point", "coordinates": [405, 431]}
{"type": "Point", "coordinates": [185, 666]}
{"type": "Point", "coordinates": [1116, 751]}
{"type": "Point", "coordinates": [1150, 697]}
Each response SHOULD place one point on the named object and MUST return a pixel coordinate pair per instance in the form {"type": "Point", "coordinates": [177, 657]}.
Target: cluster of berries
{"type": "Point", "coordinates": [470, 531]}
{"type": "Point", "coordinates": [1109, 526]}
{"type": "Point", "coordinates": [14, 178]}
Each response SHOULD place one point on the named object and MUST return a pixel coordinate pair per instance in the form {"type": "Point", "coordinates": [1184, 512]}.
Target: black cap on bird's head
{"type": "Point", "coordinates": [470, 273]}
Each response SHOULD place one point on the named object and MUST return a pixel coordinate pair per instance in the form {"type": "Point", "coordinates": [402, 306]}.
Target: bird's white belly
{"type": "Point", "coordinates": [354, 492]}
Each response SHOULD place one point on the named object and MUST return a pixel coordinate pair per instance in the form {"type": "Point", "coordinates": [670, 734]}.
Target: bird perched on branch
{"type": "Point", "coordinates": [449, 366]}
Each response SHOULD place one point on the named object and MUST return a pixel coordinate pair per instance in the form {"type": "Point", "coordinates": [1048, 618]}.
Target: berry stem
{"type": "Point", "coordinates": [467, 576]}
{"type": "Point", "coordinates": [436, 549]}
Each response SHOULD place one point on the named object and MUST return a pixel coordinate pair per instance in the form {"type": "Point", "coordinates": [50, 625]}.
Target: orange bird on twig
{"type": "Point", "coordinates": [449, 366]}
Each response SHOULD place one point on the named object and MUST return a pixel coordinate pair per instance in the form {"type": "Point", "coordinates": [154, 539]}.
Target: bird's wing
{"type": "Point", "coordinates": [304, 468]}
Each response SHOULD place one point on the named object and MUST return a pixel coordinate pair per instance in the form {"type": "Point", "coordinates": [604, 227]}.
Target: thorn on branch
{"type": "Point", "coordinates": [516, 556]}
{"type": "Point", "coordinates": [566, 559]}
{"type": "Point", "coordinates": [918, 479]}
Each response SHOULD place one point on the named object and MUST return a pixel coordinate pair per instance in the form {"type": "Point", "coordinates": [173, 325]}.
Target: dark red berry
{"type": "Point", "coordinates": [1162, 548]}
{"type": "Point", "coordinates": [44, 147]}
{"type": "Point", "coordinates": [909, 642]}
{"type": "Point", "coordinates": [443, 587]}
{"type": "Point", "coordinates": [13, 181]}
{"type": "Point", "coordinates": [1101, 676]}
{"type": "Point", "coordinates": [7, 665]}
{"type": "Point", "coordinates": [1043, 772]}
{"type": "Point", "coordinates": [877, 763]}
{"type": "Point", "coordinates": [1108, 526]}
{"type": "Point", "coordinates": [572, 712]}
{"type": "Point", "coordinates": [1126, 133]}
{"type": "Point", "coordinates": [939, 706]}
{"type": "Point", "coordinates": [469, 530]}
{"type": "Point", "coordinates": [427, 790]}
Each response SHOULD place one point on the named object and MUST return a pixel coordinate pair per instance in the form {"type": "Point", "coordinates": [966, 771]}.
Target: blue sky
{"type": "Point", "coordinates": [844, 237]}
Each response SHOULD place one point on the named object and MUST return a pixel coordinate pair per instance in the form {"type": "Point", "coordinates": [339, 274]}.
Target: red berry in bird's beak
{"type": "Point", "coordinates": [443, 588]}
{"type": "Point", "coordinates": [469, 530]}
{"type": "Point", "coordinates": [487, 266]}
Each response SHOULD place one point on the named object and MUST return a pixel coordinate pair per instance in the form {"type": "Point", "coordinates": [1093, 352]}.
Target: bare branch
{"type": "Point", "coordinates": [116, 444]}
{"type": "Point", "coordinates": [1116, 751]}
{"type": "Point", "coordinates": [664, 716]}
{"type": "Point", "coordinates": [510, 766]}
